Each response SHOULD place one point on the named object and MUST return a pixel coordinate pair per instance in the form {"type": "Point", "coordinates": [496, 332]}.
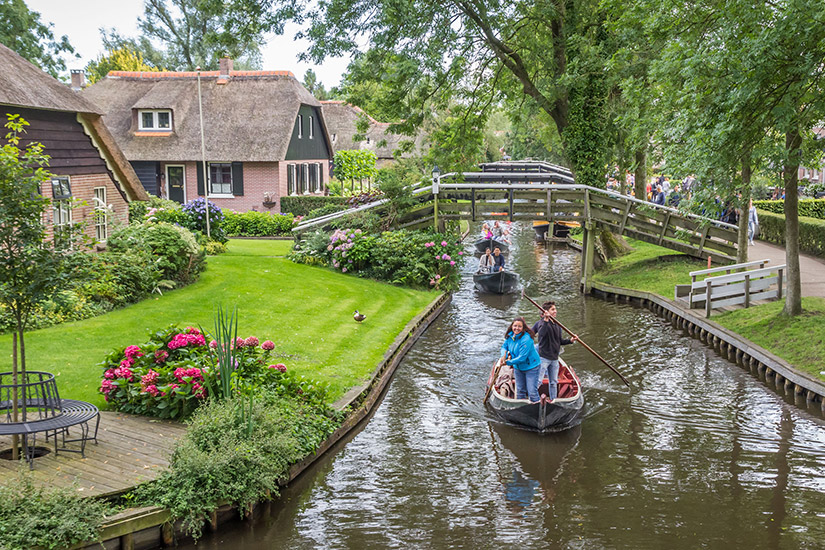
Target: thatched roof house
{"type": "Point", "coordinates": [342, 120]}
{"type": "Point", "coordinates": [255, 121]}
{"type": "Point", "coordinates": [85, 158]}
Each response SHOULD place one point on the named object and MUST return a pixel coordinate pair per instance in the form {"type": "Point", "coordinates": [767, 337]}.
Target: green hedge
{"type": "Point", "coordinates": [811, 208]}
{"type": "Point", "coordinates": [301, 206]}
{"type": "Point", "coordinates": [811, 232]}
{"type": "Point", "coordinates": [257, 224]}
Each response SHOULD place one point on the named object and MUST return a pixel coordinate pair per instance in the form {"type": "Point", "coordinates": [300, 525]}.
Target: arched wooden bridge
{"type": "Point", "coordinates": [551, 194]}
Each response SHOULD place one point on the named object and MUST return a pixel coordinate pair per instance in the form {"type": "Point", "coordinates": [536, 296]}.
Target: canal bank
{"type": "Point", "coordinates": [150, 527]}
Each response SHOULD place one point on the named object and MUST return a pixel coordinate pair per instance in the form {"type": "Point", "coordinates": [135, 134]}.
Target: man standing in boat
{"type": "Point", "coordinates": [498, 260]}
{"type": "Point", "coordinates": [550, 343]}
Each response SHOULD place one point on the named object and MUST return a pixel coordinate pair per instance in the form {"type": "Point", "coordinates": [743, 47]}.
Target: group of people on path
{"type": "Point", "coordinates": [530, 365]}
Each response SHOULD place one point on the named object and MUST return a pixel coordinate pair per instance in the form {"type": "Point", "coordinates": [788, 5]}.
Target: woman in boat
{"type": "Point", "coordinates": [486, 233]}
{"type": "Point", "coordinates": [485, 264]}
{"type": "Point", "coordinates": [523, 358]}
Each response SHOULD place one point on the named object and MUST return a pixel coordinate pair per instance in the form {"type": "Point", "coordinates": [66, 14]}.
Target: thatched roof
{"type": "Point", "coordinates": [248, 117]}
{"type": "Point", "coordinates": [24, 85]}
{"type": "Point", "coordinates": [342, 119]}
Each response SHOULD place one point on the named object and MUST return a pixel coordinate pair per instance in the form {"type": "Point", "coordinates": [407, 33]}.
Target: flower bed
{"type": "Point", "coordinates": [170, 375]}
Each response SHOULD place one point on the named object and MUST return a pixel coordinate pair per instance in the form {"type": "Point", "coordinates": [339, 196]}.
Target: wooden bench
{"type": "Point", "coordinates": [765, 283]}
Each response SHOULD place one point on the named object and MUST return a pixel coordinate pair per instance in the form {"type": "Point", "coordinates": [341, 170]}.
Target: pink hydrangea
{"type": "Point", "coordinates": [106, 386]}
{"type": "Point", "coordinates": [446, 257]}
{"type": "Point", "coordinates": [198, 391]}
{"type": "Point", "coordinates": [452, 263]}
{"type": "Point", "coordinates": [239, 342]}
{"type": "Point", "coordinates": [280, 366]}
{"type": "Point", "coordinates": [149, 379]}
{"type": "Point", "coordinates": [161, 356]}
{"type": "Point", "coordinates": [193, 372]}
{"type": "Point", "coordinates": [268, 345]}
{"type": "Point", "coordinates": [443, 243]}
{"type": "Point", "coordinates": [460, 253]}
{"type": "Point", "coordinates": [251, 342]}
{"type": "Point", "coordinates": [192, 330]}
{"type": "Point", "coordinates": [127, 363]}
{"type": "Point", "coordinates": [151, 390]}
{"type": "Point", "coordinates": [123, 372]}
{"type": "Point", "coordinates": [109, 374]}
{"type": "Point", "coordinates": [213, 344]}
{"type": "Point", "coordinates": [183, 340]}
{"type": "Point", "coordinates": [132, 352]}
{"type": "Point", "coordinates": [428, 245]}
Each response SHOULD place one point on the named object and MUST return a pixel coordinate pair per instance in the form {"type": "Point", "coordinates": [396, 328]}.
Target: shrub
{"type": "Point", "coordinates": [811, 232]}
{"type": "Point", "coordinates": [161, 209]}
{"type": "Point", "coordinates": [811, 208]}
{"type": "Point", "coordinates": [213, 248]}
{"type": "Point", "coordinates": [194, 213]}
{"type": "Point", "coordinates": [303, 205]}
{"type": "Point", "coordinates": [326, 210]}
{"type": "Point", "coordinates": [177, 254]}
{"type": "Point", "coordinates": [258, 224]}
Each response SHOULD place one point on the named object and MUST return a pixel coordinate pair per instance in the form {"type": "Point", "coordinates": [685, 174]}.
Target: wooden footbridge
{"type": "Point", "coordinates": [531, 191]}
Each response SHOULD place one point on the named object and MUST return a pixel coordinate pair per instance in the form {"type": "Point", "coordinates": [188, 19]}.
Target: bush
{"type": "Point", "coordinates": [811, 232]}
{"type": "Point", "coordinates": [258, 224]}
{"type": "Point", "coordinates": [326, 210]}
{"type": "Point", "coordinates": [418, 259]}
{"type": "Point", "coordinates": [194, 218]}
{"type": "Point", "coordinates": [811, 208]}
{"type": "Point", "coordinates": [47, 517]}
{"type": "Point", "coordinates": [303, 205]}
{"type": "Point", "coordinates": [168, 211]}
{"type": "Point", "coordinates": [176, 252]}
{"type": "Point", "coordinates": [213, 248]}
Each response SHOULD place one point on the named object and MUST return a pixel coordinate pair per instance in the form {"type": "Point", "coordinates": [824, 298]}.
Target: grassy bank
{"type": "Point", "coordinates": [798, 340]}
{"type": "Point", "coordinates": [306, 311]}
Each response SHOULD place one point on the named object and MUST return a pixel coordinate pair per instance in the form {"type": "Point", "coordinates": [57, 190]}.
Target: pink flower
{"type": "Point", "coordinates": [192, 330]}
{"type": "Point", "coordinates": [132, 352]}
{"type": "Point", "coordinates": [127, 363]}
{"type": "Point", "coordinates": [443, 243]}
{"type": "Point", "coordinates": [151, 390]}
{"type": "Point", "coordinates": [198, 391]}
{"type": "Point", "coordinates": [251, 342]}
{"type": "Point", "coordinates": [452, 263]}
{"type": "Point", "coordinates": [123, 372]}
{"type": "Point", "coordinates": [428, 245]}
{"type": "Point", "coordinates": [432, 282]}
{"type": "Point", "coordinates": [161, 356]}
{"type": "Point", "coordinates": [213, 344]}
{"type": "Point", "coordinates": [106, 386]}
{"type": "Point", "coordinates": [149, 379]}
{"type": "Point", "coordinates": [343, 270]}
{"type": "Point", "coordinates": [281, 367]}
{"type": "Point", "coordinates": [109, 374]}
{"type": "Point", "coordinates": [268, 345]}
{"type": "Point", "coordinates": [183, 339]}
{"type": "Point", "coordinates": [446, 257]}
{"type": "Point", "coordinates": [239, 342]}
{"type": "Point", "coordinates": [460, 253]}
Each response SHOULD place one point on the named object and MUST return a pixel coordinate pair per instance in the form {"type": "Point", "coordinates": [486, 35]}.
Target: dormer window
{"type": "Point", "coordinates": [155, 120]}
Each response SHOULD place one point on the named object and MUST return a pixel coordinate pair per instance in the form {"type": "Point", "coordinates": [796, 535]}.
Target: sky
{"type": "Point", "coordinates": [81, 20]}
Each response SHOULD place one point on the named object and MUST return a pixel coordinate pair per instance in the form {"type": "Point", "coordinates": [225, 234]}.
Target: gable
{"type": "Point", "coordinates": [310, 140]}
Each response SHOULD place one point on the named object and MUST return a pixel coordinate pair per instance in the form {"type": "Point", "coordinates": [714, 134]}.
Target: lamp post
{"type": "Point", "coordinates": [436, 183]}
{"type": "Point", "coordinates": [203, 158]}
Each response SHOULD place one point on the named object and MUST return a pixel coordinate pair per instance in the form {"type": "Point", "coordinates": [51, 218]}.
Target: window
{"type": "Point", "coordinates": [300, 124]}
{"type": "Point", "coordinates": [101, 214]}
{"type": "Point", "coordinates": [311, 129]}
{"type": "Point", "coordinates": [61, 188]}
{"type": "Point", "coordinates": [220, 178]}
{"type": "Point", "coordinates": [305, 178]}
{"type": "Point", "coordinates": [320, 177]}
{"type": "Point", "coordinates": [290, 179]}
{"type": "Point", "coordinates": [61, 206]}
{"type": "Point", "coordinates": [334, 138]}
{"type": "Point", "coordinates": [313, 178]}
{"type": "Point", "coordinates": [155, 120]}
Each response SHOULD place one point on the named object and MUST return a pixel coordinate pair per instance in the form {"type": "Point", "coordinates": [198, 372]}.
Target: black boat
{"type": "Point", "coordinates": [562, 413]}
{"type": "Point", "coordinates": [497, 282]}
{"type": "Point", "coordinates": [483, 244]}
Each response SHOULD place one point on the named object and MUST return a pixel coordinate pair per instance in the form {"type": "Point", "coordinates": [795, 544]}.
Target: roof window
{"type": "Point", "coordinates": [155, 120]}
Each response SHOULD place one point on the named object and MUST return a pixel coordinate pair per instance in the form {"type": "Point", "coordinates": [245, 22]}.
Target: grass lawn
{"type": "Point", "coordinates": [306, 311]}
{"type": "Point", "coordinates": [799, 340]}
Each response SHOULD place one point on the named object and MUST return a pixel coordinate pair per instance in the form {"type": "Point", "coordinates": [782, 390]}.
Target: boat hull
{"type": "Point", "coordinates": [500, 282]}
{"type": "Point", "coordinates": [482, 245]}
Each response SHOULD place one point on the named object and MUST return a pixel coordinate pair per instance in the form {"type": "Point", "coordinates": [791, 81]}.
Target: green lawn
{"type": "Point", "coordinates": [307, 311]}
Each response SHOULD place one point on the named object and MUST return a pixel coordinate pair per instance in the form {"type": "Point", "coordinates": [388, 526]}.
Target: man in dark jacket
{"type": "Point", "coordinates": [550, 342]}
{"type": "Point", "coordinates": [498, 260]}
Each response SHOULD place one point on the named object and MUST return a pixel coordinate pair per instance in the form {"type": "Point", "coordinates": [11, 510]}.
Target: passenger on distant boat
{"type": "Point", "coordinates": [498, 260]}
{"type": "Point", "coordinates": [499, 232]}
{"type": "Point", "coordinates": [523, 358]}
{"type": "Point", "coordinates": [486, 233]}
{"type": "Point", "coordinates": [485, 264]}
{"type": "Point", "coordinates": [550, 343]}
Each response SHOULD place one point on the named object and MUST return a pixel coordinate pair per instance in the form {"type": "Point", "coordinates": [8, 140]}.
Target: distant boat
{"type": "Point", "coordinates": [560, 229]}
{"type": "Point", "coordinates": [497, 282]}
{"type": "Point", "coordinates": [483, 244]}
{"type": "Point", "coordinates": [562, 413]}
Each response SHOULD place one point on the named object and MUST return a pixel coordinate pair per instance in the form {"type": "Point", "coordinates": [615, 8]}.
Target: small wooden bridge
{"type": "Point", "coordinates": [548, 192]}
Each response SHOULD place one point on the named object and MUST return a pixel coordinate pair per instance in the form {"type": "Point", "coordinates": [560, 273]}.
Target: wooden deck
{"type": "Point", "coordinates": [130, 449]}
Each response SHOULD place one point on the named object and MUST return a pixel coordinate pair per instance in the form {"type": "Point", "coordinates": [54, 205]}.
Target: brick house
{"type": "Point", "coordinates": [264, 134]}
{"type": "Point", "coordinates": [91, 175]}
{"type": "Point", "coordinates": [342, 123]}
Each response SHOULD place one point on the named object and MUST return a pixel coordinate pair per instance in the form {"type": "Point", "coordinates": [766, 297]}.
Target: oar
{"type": "Point", "coordinates": [588, 348]}
{"type": "Point", "coordinates": [493, 382]}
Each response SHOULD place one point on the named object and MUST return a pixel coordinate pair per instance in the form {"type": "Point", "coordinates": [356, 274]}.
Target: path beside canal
{"type": "Point", "coordinates": [811, 268]}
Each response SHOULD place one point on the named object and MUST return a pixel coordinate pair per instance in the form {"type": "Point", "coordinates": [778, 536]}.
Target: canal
{"type": "Point", "coordinates": [698, 454]}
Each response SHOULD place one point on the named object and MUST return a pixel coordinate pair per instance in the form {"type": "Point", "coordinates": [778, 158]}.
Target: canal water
{"type": "Point", "coordinates": [698, 454]}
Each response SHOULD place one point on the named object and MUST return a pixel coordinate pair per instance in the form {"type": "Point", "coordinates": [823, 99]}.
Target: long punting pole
{"type": "Point", "coordinates": [588, 348]}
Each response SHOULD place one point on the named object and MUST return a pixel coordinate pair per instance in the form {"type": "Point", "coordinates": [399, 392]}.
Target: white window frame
{"type": "Point", "coordinates": [166, 173]}
{"type": "Point", "coordinates": [101, 211]}
{"type": "Point", "coordinates": [155, 127]}
{"type": "Point", "coordinates": [300, 123]}
{"type": "Point", "coordinates": [292, 170]}
{"type": "Point", "coordinates": [231, 194]}
{"type": "Point", "coordinates": [311, 130]}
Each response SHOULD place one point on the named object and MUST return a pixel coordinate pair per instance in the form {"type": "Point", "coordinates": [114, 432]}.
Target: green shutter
{"type": "Point", "coordinates": [237, 179]}
{"type": "Point", "coordinates": [201, 189]}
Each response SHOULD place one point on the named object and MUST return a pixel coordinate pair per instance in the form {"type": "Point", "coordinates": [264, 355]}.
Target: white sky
{"type": "Point", "coordinates": [81, 20]}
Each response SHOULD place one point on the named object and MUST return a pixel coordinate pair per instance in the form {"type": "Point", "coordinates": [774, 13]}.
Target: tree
{"type": "Point", "coordinates": [30, 267]}
{"type": "Point", "coordinates": [352, 165]}
{"type": "Point", "coordinates": [123, 59]}
{"type": "Point", "coordinates": [315, 88]}
{"type": "Point", "coordinates": [22, 30]}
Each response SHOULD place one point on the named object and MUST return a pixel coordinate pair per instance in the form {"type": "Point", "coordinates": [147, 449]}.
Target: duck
{"type": "Point", "coordinates": [358, 316]}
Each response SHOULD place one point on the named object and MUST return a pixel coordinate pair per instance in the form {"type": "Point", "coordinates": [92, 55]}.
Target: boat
{"type": "Point", "coordinates": [560, 229]}
{"type": "Point", "coordinates": [497, 282]}
{"type": "Point", "coordinates": [562, 413]}
{"type": "Point", "coordinates": [483, 244]}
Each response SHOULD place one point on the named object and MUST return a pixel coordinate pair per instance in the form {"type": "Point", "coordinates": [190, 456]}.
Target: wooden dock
{"type": "Point", "coordinates": [130, 449]}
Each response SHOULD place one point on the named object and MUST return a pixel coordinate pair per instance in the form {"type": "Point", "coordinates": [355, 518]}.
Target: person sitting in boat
{"type": "Point", "coordinates": [487, 261]}
{"type": "Point", "coordinates": [550, 343]}
{"type": "Point", "coordinates": [499, 232]}
{"type": "Point", "coordinates": [523, 358]}
{"type": "Point", "coordinates": [486, 233]}
{"type": "Point", "coordinates": [498, 260]}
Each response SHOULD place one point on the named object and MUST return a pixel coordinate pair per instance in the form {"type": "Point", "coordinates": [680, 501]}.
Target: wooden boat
{"type": "Point", "coordinates": [560, 229]}
{"type": "Point", "coordinates": [483, 244]}
{"type": "Point", "coordinates": [497, 282]}
{"type": "Point", "coordinates": [562, 413]}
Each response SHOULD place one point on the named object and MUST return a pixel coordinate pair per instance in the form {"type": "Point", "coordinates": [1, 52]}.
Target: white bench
{"type": "Point", "coordinates": [764, 283]}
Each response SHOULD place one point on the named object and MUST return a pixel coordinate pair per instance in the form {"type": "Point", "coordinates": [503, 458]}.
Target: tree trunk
{"type": "Point", "coordinates": [15, 439]}
{"type": "Point", "coordinates": [793, 297]}
{"type": "Point", "coordinates": [641, 173]}
{"type": "Point", "coordinates": [744, 211]}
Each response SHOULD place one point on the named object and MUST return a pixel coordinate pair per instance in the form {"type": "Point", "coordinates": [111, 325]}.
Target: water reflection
{"type": "Point", "coordinates": [698, 455]}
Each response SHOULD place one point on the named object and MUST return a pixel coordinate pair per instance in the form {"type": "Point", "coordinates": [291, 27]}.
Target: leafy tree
{"type": "Point", "coordinates": [315, 88]}
{"type": "Point", "coordinates": [355, 165]}
{"type": "Point", "coordinates": [123, 59]}
{"type": "Point", "coordinates": [22, 30]}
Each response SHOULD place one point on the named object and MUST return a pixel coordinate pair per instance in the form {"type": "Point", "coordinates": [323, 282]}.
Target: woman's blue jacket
{"type": "Point", "coordinates": [523, 354]}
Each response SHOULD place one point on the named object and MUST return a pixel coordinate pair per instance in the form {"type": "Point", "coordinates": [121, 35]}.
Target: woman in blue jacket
{"type": "Point", "coordinates": [523, 358]}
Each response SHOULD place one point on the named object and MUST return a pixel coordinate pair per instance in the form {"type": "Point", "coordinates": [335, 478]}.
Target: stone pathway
{"type": "Point", "coordinates": [811, 267]}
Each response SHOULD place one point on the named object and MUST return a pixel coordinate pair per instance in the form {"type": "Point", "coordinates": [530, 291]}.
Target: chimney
{"type": "Point", "coordinates": [225, 66]}
{"type": "Point", "coordinates": [78, 79]}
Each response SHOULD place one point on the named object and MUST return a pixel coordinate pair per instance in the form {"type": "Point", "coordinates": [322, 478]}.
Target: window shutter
{"type": "Point", "coordinates": [237, 179]}
{"type": "Point", "coordinates": [201, 187]}
{"type": "Point", "coordinates": [320, 177]}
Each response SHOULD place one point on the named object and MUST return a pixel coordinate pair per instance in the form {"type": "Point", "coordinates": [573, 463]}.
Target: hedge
{"type": "Point", "coordinates": [812, 208]}
{"type": "Point", "coordinates": [811, 232]}
{"type": "Point", "coordinates": [257, 224]}
{"type": "Point", "coordinates": [301, 206]}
